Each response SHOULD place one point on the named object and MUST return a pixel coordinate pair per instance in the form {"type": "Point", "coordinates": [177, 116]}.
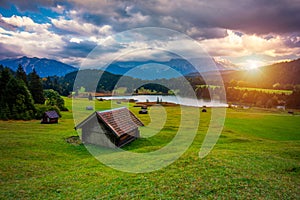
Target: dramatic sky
{"type": "Point", "coordinates": [246, 33]}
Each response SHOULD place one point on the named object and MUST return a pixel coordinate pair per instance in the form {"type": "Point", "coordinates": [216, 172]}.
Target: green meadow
{"type": "Point", "coordinates": [270, 91]}
{"type": "Point", "coordinates": [256, 157]}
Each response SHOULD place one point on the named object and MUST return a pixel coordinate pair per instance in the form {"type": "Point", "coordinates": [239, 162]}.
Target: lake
{"type": "Point", "coordinates": [169, 98]}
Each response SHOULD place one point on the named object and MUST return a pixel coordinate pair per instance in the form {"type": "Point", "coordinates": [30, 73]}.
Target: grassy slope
{"type": "Point", "coordinates": [257, 156]}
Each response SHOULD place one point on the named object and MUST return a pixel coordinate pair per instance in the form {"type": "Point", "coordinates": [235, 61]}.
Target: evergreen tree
{"type": "Point", "coordinates": [5, 76]}
{"type": "Point", "coordinates": [21, 74]}
{"type": "Point", "coordinates": [47, 83]}
{"type": "Point", "coordinates": [36, 88]}
{"type": "Point", "coordinates": [19, 100]}
{"type": "Point", "coordinates": [15, 99]}
{"type": "Point", "coordinates": [4, 111]}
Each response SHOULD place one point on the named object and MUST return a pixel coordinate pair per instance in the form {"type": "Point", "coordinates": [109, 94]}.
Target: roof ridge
{"type": "Point", "coordinates": [104, 111]}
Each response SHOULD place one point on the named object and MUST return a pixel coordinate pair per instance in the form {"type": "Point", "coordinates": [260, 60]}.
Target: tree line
{"type": "Point", "coordinates": [23, 96]}
{"type": "Point", "coordinates": [108, 82]}
{"type": "Point", "coordinates": [263, 99]}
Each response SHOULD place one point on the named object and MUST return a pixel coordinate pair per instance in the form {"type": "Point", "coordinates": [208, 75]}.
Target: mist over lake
{"type": "Point", "coordinates": [171, 99]}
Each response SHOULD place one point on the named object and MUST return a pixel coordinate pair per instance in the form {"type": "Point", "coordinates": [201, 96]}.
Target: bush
{"type": "Point", "coordinates": [41, 109]}
{"type": "Point", "coordinates": [54, 99]}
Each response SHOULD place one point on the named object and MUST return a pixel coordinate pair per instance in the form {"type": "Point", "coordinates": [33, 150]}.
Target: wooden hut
{"type": "Point", "coordinates": [50, 117]}
{"type": "Point", "coordinates": [111, 128]}
{"type": "Point", "coordinates": [143, 110]}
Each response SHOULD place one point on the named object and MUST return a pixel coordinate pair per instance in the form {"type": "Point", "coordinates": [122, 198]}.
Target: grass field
{"type": "Point", "coordinates": [269, 91]}
{"type": "Point", "coordinates": [256, 157]}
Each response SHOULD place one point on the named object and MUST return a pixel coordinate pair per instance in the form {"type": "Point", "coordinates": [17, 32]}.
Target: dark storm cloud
{"type": "Point", "coordinates": [292, 41]}
{"type": "Point", "coordinates": [9, 51]}
{"type": "Point", "coordinates": [261, 17]}
{"type": "Point", "coordinates": [207, 33]}
{"type": "Point", "coordinates": [248, 16]}
{"type": "Point", "coordinates": [97, 19]}
{"type": "Point", "coordinates": [32, 5]}
{"type": "Point", "coordinates": [81, 49]}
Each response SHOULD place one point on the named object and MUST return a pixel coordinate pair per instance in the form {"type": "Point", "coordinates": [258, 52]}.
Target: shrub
{"type": "Point", "coordinates": [54, 99]}
{"type": "Point", "coordinates": [41, 109]}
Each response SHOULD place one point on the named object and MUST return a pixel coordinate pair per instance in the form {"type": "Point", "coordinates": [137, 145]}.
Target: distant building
{"type": "Point", "coordinates": [50, 117]}
{"type": "Point", "coordinates": [89, 108]}
{"type": "Point", "coordinates": [280, 107]}
{"type": "Point", "coordinates": [111, 128]}
{"type": "Point", "coordinates": [143, 110]}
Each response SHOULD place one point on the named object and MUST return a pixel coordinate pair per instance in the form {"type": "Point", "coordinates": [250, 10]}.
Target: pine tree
{"type": "Point", "coordinates": [18, 99]}
{"type": "Point", "coordinates": [4, 78]}
{"type": "Point", "coordinates": [4, 111]}
{"type": "Point", "coordinates": [47, 83]}
{"type": "Point", "coordinates": [15, 99]}
{"type": "Point", "coordinates": [21, 74]}
{"type": "Point", "coordinates": [36, 88]}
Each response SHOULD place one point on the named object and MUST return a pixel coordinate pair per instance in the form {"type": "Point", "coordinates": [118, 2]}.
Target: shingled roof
{"type": "Point", "coordinates": [52, 114]}
{"type": "Point", "coordinates": [120, 120]}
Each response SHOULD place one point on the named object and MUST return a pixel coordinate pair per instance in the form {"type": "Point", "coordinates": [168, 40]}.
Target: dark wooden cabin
{"type": "Point", "coordinates": [50, 117]}
{"type": "Point", "coordinates": [111, 128]}
{"type": "Point", "coordinates": [143, 110]}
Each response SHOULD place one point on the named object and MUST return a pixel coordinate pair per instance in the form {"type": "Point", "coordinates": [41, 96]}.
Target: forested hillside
{"type": "Point", "coordinates": [284, 74]}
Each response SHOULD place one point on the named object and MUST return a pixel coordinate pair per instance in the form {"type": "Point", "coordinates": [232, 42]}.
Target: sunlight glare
{"type": "Point", "coordinates": [253, 64]}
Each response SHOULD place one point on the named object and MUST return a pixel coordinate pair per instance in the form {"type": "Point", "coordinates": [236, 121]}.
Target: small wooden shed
{"type": "Point", "coordinates": [50, 117]}
{"type": "Point", "coordinates": [111, 128]}
{"type": "Point", "coordinates": [143, 110]}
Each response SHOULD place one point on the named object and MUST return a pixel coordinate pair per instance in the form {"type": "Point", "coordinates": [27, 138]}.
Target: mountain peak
{"type": "Point", "coordinates": [43, 66]}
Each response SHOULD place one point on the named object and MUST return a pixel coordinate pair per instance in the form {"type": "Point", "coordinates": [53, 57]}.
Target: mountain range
{"type": "Point", "coordinates": [137, 69]}
{"type": "Point", "coordinates": [283, 73]}
{"type": "Point", "coordinates": [43, 66]}
{"type": "Point", "coordinates": [167, 69]}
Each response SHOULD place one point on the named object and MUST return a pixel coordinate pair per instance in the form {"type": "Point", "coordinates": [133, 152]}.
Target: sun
{"type": "Point", "coordinates": [253, 64]}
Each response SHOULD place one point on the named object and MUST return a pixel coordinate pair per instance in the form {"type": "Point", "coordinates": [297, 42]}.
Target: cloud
{"type": "Point", "coordinates": [206, 33]}
{"type": "Point", "coordinates": [29, 5]}
{"type": "Point", "coordinates": [224, 28]}
{"type": "Point", "coordinates": [9, 51]}
{"type": "Point", "coordinates": [84, 29]}
{"type": "Point", "coordinates": [27, 23]}
{"type": "Point", "coordinates": [59, 9]}
{"type": "Point", "coordinates": [77, 49]}
{"type": "Point", "coordinates": [293, 40]}
{"type": "Point", "coordinates": [244, 46]}
{"type": "Point", "coordinates": [29, 38]}
{"type": "Point", "coordinates": [248, 16]}
{"type": "Point", "coordinates": [239, 45]}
